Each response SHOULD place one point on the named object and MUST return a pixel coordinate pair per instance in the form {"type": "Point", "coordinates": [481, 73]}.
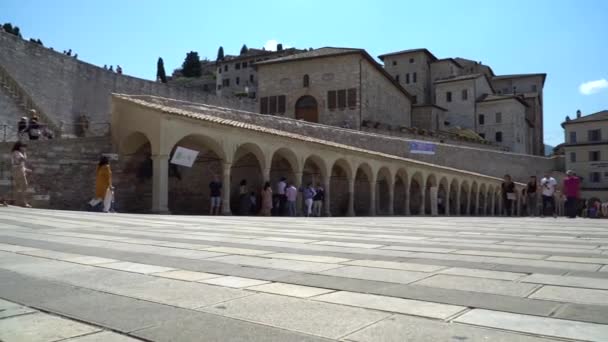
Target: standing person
{"type": "Point", "coordinates": [309, 194]}
{"type": "Point", "coordinates": [317, 203]}
{"type": "Point", "coordinates": [22, 126]}
{"type": "Point", "coordinates": [33, 129]}
{"type": "Point", "coordinates": [548, 185]}
{"type": "Point", "coordinates": [18, 159]}
{"type": "Point", "coordinates": [103, 183]}
{"type": "Point", "coordinates": [266, 200]}
{"type": "Point", "coordinates": [215, 192]}
{"type": "Point", "coordinates": [291, 193]}
{"type": "Point", "coordinates": [281, 185]}
{"type": "Point", "coordinates": [531, 196]}
{"type": "Point", "coordinates": [118, 70]}
{"type": "Point", "coordinates": [508, 194]}
{"type": "Point", "coordinates": [244, 201]}
{"type": "Point", "coordinates": [572, 186]}
{"type": "Point", "coordinates": [253, 203]}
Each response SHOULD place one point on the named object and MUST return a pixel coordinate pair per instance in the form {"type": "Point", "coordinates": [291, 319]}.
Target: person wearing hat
{"type": "Point", "coordinates": [22, 126]}
{"type": "Point", "coordinates": [33, 129]}
{"type": "Point", "coordinates": [572, 186]}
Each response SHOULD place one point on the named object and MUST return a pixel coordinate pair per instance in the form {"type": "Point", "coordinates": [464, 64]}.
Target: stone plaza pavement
{"type": "Point", "coordinates": [85, 277]}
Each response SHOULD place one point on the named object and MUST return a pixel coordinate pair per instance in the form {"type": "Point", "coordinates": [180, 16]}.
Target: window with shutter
{"type": "Point", "coordinates": [264, 105]}
{"type": "Point", "coordinates": [273, 105]}
{"type": "Point", "coordinates": [331, 99]}
{"type": "Point", "coordinates": [342, 98]}
{"type": "Point", "coordinates": [282, 106]}
{"type": "Point", "coordinates": [352, 97]}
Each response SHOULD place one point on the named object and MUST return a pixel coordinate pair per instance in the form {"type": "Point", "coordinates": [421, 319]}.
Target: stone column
{"type": "Point", "coordinates": [433, 192]}
{"type": "Point", "coordinates": [299, 201]}
{"type": "Point", "coordinates": [160, 184]}
{"type": "Point", "coordinates": [407, 200]}
{"type": "Point", "coordinates": [446, 201]}
{"type": "Point", "coordinates": [391, 200]}
{"type": "Point", "coordinates": [477, 209]}
{"type": "Point", "coordinates": [492, 200]}
{"type": "Point", "coordinates": [468, 211]}
{"type": "Point", "coordinates": [423, 200]}
{"type": "Point", "coordinates": [458, 203]}
{"type": "Point", "coordinates": [500, 205]}
{"type": "Point", "coordinates": [351, 197]}
{"type": "Point", "coordinates": [266, 175]}
{"type": "Point", "coordinates": [227, 189]}
{"type": "Point", "coordinates": [327, 203]}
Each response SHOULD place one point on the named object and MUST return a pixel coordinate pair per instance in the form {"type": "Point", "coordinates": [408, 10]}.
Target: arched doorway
{"type": "Point", "coordinates": [246, 169]}
{"type": "Point", "coordinates": [136, 164]}
{"type": "Point", "coordinates": [363, 189]}
{"type": "Point", "coordinates": [338, 184]}
{"type": "Point", "coordinates": [307, 109]}
{"type": "Point", "coordinates": [454, 205]}
{"type": "Point", "coordinates": [416, 189]}
{"type": "Point", "coordinates": [400, 193]}
{"type": "Point", "coordinates": [383, 189]}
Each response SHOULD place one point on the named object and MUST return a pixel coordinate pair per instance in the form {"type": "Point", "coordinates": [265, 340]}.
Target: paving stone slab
{"type": "Point", "coordinates": [136, 267]}
{"type": "Point", "coordinates": [290, 290]}
{"type": "Point", "coordinates": [392, 304]}
{"type": "Point", "coordinates": [90, 260]}
{"type": "Point", "coordinates": [282, 264]}
{"type": "Point", "coordinates": [571, 281]}
{"type": "Point", "coordinates": [307, 257]}
{"type": "Point", "coordinates": [572, 295]}
{"type": "Point", "coordinates": [212, 328]}
{"type": "Point", "coordinates": [584, 312]}
{"type": "Point", "coordinates": [482, 285]}
{"type": "Point", "coordinates": [15, 310]}
{"type": "Point", "coordinates": [401, 328]}
{"type": "Point", "coordinates": [347, 244]}
{"type": "Point", "coordinates": [234, 282]}
{"type": "Point", "coordinates": [404, 266]}
{"type": "Point", "coordinates": [186, 275]}
{"type": "Point", "coordinates": [544, 326]}
{"type": "Point", "coordinates": [311, 317]}
{"type": "Point", "coordinates": [104, 336]}
{"type": "Point", "coordinates": [472, 272]}
{"type": "Point", "coordinates": [378, 274]}
{"type": "Point", "coordinates": [336, 283]}
{"type": "Point", "coordinates": [239, 251]}
{"type": "Point", "coordinates": [41, 327]}
{"type": "Point", "coordinates": [503, 254]}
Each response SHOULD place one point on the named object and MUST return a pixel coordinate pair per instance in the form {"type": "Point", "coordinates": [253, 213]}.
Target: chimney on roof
{"type": "Point", "coordinates": [578, 114]}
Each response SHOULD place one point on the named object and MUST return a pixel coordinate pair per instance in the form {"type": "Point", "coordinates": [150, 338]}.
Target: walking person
{"type": "Point", "coordinates": [309, 194]}
{"type": "Point", "coordinates": [22, 126]}
{"type": "Point", "coordinates": [281, 185]}
{"type": "Point", "coordinates": [531, 196]}
{"type": "Point", "coordinates": [291, 194]}
{"type": "Point", "coordinates": [103, 183]}
{"type": "Point", "coordinates": [318, 200]}
{"type": "Point", "coordinates": [548, 185]}
{"type": "Point", "coordinates": [572, 186]}
{"type": "Point", "coordinates": [266, 200]}
{"type": "Point", "coordinates": [215, 193]}
{"type": "Point", "coordinates": [33, 130]}
{"type": "Point", "coordinates": [508, 194]}
{"type": "Point", "coordinates": [19, 170]}
{"type": "Point", "coordinates": [244, 201]}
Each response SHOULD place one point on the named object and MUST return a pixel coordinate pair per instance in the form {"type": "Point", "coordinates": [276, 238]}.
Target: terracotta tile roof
{"type": "Point", "coordinates": [599, 116]}
{"type": "Point", "coordinates": [403, 52]}
{"type": "Point", "coordinates": [490, 98]}
{"type": "Point", "coordinates": [322, 52]}
{"type": "Point", "coordinates": [198, 111]}
{"type": "Point", "coordinates": [448, 60]}
{"type": "Point", "coordinates": [505, 77]}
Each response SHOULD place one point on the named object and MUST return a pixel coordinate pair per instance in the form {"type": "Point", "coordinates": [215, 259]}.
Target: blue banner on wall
{"type": "Point", "coordinates": [422, 148]}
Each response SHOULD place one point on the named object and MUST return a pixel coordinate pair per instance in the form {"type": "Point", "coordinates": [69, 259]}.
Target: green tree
{"type": "Point", "coordinates": [160, 71]}
{"type": "Point", "coordinates": [8, 28]}
{"type": "Point", "coordinates": [17, 31]}
{"type": "Point", "coordinates": [220, 53]}
{"type": "Point", "coordinates": [244, 49]}
{"type": "Point", "coordinates": [279, 47]}
{"type": "Point", "coordinates": [192, 65]}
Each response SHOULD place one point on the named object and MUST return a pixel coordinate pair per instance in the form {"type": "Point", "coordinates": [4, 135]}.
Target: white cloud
{"type": "Point", "coordinates": [271, 45]}
{"type": "Point", "coordinates": [593, 87]}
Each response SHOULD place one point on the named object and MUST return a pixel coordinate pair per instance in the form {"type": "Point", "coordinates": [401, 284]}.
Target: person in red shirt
{"type": "Point", "coordinates": [572, 186]}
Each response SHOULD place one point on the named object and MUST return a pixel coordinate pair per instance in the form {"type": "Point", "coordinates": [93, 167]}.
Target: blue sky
{"type": "Point", "coordinates": [566, 39]}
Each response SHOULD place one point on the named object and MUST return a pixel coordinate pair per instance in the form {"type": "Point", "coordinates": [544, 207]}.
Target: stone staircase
{"type": "Point", "coordinates": [24, 101]}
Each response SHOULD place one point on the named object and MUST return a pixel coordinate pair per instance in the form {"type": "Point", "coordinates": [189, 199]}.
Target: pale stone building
{"type": "Point", "coordinates": [333, 86]}
{"type": "Point", "coordinates": [459, 88]}
{"type": "Point", "coordinates": [237, 75]}
{"type": "Point", "coordinates": [586, 152]}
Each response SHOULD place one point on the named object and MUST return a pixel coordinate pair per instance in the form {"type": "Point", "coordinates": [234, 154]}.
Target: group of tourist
{"type": "Point", "coordinates": [281, 203]}
{"type": "Point", "coordinates": [118, 68]}
{"type": "Point", "coordinates": [32, 129]}
{"type": "Point", "coordinates": [547, 187]}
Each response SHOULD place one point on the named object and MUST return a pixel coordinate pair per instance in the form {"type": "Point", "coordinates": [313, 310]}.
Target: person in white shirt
{"type": "Point", "coordinates": [548, 186]}
{"type": "Point", "coordinates": [281, 185]}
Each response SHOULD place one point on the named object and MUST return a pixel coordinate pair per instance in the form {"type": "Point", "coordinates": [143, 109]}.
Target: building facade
{"type": "Point", "coordinates": [467, 89]}
{"type": "Point", "coordinates": [237, 75]}
{"type": "Point", "coordinates": [586, 152]}
{"type": "Point", "coordinates": [332, 86]}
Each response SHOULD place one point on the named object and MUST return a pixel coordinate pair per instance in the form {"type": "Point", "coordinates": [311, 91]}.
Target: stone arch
{"type": "Point", "coordinates": [384, 189]}
{"type": "Point", "coordinates": [284, 163]}
{"type": "Point", "coordinates": [364, 178]}
{"type": "Point", "coordinates": [136, 164]}
{"type": "Point", "coordinates": [464, 197]}
{"type": "Point", "coordinates": [454, 205]}
{"type": "Point", "coordinates": [416, 189]}
{"type": "Point", "coordinates": [443, 196]}
{"type": "Point", "coordinates": [481, 203]}
{"type": "Point", "coordinates": [189, 186]}
{"type": "Point", "coordinates": [341, 172]}
{"type": "Point", "coordinates": [400, 194]}
{"type": "Point", "coordinates": [248, 164]}
{"type": "Point", "coordinates": [473, 199]}
{"type": "Point", "coordinates": [430, 182]}
{"type": "Point", "coordinates": [314, 170]}
{"type": "Point", "coordinates": [489, 200]}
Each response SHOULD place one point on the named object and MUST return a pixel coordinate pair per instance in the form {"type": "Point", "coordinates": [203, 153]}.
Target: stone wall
{"type": "Point", "coordinates": [66, 88]}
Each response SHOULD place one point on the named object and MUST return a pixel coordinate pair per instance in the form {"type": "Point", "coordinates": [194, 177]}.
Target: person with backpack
{"type": "Point", "coordinates": [309, 194]}
{"type": "Point", "coordinates": [317, 201]}
{"type": "Point", "coordinates": [34, 130]}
